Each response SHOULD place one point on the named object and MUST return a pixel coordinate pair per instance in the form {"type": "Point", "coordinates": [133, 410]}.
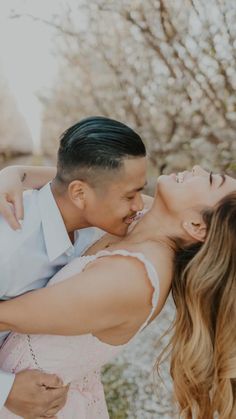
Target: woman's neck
{"type": "Point", "coordinates": [154, 226]}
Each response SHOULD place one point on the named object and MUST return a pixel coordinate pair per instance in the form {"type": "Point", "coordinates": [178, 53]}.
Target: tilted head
{"type": "Point", "coordinates": [102, 169]}
{"type": "Point", "coordinates": [185, 195]}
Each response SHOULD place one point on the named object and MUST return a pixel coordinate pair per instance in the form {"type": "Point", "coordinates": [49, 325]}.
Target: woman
{"type": "Point", "coordinates": [103, 299]}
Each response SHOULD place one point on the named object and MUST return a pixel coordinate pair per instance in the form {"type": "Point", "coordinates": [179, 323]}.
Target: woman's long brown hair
{"type": "Point", "coordinates": [203, 346]}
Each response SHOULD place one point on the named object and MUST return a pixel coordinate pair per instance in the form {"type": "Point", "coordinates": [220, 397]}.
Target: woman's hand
{"type": "Point", "coordinates": [11, 196]}
{"type": "Point", "coordinates": [13, 181]}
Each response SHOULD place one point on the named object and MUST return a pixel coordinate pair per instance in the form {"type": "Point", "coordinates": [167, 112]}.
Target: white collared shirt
{"type": "Point", "coordinates": [31, 256]}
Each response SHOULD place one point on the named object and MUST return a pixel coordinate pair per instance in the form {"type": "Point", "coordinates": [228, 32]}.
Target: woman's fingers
{"type": "Point", "coordinates": [11, 196]}
{"type": "Point", "coordinates": [18, 206]}
{"type": "Point", "coordinates": [56, 407]}
{"type": "Point", "coordinates": [8, 213]}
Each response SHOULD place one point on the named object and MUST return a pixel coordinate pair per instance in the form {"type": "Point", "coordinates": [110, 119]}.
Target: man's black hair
{"type": "Point", "coordinates": [93, 145]}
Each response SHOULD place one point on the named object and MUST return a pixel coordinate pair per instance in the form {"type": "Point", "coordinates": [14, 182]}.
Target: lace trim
{"type": "Point", "coordinates": [32, 353]}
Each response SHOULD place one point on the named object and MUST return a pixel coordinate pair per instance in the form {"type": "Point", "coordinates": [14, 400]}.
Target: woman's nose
{"type": "Point", "coordinates": [198, 170]}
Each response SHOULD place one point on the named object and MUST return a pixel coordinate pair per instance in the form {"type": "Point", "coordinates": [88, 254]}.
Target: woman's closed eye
{"type": "Point", "coordinates": [213, 178]}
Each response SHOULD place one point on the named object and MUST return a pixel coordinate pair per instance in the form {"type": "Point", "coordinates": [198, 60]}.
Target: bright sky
{"type": "Point", "coordinates": [26, 55]}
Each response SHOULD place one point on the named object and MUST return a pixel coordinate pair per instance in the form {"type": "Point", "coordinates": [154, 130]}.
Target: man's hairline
{"type": "Point", "coordinates": [86, 168]}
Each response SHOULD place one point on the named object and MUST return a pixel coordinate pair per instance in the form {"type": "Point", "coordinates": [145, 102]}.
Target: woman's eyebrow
{"type": "Point", "coordinates": [210, 177]}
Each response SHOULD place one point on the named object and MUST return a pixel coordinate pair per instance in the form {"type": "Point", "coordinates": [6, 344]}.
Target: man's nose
{"type": "Point", "coordinates": [138, 203]}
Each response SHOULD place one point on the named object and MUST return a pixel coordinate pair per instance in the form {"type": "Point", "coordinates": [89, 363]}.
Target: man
{"type": "Point", "coordinates": [101, 172]}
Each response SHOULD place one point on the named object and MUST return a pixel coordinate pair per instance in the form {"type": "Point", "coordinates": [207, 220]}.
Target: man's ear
{"type": "Point", "coordinates": [196, 229]}
{"type": "Point", "coordinates": [77, 193]}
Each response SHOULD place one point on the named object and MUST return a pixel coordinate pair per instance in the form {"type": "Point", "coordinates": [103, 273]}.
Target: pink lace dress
{"type": "Point", "coordinates": [76, 359]}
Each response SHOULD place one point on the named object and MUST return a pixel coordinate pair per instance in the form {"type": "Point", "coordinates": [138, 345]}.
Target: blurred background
{"type": "Point", "coordinates": [165, 67]}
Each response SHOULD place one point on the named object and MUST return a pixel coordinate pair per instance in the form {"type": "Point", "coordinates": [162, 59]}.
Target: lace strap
{"type": "Point", "coordinates": [151, 272]}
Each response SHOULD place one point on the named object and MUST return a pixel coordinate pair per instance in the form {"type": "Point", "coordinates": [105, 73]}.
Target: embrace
{"type": "Point", "coordinates": [92, 264]}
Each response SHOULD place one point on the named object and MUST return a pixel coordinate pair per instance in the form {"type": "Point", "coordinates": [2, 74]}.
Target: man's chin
{"type": "Point", "coordinates": [121, 232]}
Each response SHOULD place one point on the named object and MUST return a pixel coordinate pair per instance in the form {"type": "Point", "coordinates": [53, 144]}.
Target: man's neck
{"type": "Point", "coordinates": [72, 236]}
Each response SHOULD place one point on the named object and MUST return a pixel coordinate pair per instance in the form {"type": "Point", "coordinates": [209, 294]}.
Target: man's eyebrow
{"type": "Point", "coordinates": [142, 187]}
{"type": "Point", "coordinates": [138, 189]}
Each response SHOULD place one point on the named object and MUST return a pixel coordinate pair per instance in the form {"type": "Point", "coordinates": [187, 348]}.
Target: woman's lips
{"type": "Point", "coordinates": [178, 177]}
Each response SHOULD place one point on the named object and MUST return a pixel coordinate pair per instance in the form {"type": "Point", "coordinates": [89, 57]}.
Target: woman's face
{"type": "Point", "coordinates": [196, 188]}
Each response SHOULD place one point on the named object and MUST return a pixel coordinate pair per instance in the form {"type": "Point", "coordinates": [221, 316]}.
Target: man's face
{"type": "Point", "coordinates": [113, 206]}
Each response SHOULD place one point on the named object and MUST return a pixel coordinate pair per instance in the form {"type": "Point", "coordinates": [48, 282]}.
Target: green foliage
{"type": "Point", "coordinates": [118, 391]}
{"type": "Point", "coordinates": [232, 167]}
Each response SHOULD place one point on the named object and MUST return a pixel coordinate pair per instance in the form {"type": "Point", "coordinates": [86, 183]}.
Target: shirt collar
{"type": "Point", "coordinates": [56, 238]}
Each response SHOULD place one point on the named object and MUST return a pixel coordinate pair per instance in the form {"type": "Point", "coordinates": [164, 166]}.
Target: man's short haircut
{"type": "Point", "coordinates": [96, 146]}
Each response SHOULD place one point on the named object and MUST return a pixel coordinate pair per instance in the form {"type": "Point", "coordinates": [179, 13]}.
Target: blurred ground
{"type": "Point", "coordinates": [132, 386]}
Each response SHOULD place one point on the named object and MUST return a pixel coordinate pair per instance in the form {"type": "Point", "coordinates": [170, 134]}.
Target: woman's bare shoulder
{"type": "Point", "coordinates": [161, 259]}
{"type": "Point", "coordinates": [126, 277]}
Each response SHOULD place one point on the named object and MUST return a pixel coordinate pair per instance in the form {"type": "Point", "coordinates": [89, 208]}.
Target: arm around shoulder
{"type": "Point", "coordinates": [34, 177]}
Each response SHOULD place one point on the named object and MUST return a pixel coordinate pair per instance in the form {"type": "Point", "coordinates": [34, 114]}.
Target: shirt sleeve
{"type": "Point", "coordinates": [6, 382]}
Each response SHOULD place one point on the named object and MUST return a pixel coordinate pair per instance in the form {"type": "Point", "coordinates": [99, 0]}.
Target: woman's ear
{"type": "Point", "coordinates": [77, 193]}
{"type": "Point", "coordinates": [196, 229]}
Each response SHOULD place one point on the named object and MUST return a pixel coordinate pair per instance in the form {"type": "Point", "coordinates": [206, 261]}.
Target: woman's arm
{"type": "Point", "coordinates": [111, 291]}
{"type": "Point", "coordinates": [33, 177]}
{"type": "Point", "coordinates": [13, 181]}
